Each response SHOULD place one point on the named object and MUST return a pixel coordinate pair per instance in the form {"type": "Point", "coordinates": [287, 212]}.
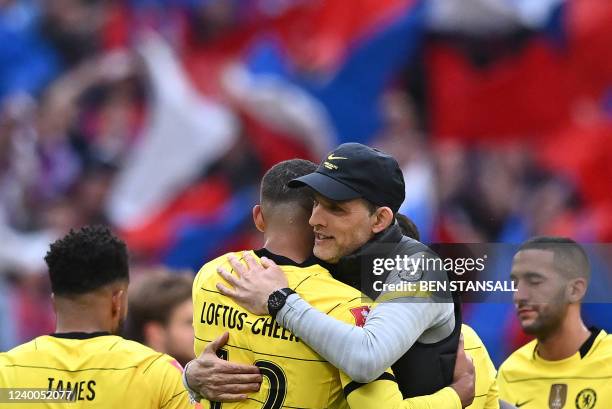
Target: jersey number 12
{"type": "Point", "coordinates": [276, 379]}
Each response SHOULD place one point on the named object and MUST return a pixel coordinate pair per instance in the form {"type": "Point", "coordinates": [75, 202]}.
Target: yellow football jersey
{"type": "Point", "coordinates": [486, 394]}
{"type": "Point", "coordinates": [294, 375]}
{"type": "Point", "coordinates": [103, 371]}
{"type": "Point", "coordinates": [582, 381]}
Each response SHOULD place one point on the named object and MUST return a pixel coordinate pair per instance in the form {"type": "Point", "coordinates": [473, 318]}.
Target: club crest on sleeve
{"type": "Point", "coordinates": [360, 314]}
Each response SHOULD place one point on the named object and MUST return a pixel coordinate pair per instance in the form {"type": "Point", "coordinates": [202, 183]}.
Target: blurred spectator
{"type": "Point", "coordinates": [160, 314]}
{"type": "Point", "coordinates": [74, 27]}
{"type": "Point", "coordinates": [27, 59]}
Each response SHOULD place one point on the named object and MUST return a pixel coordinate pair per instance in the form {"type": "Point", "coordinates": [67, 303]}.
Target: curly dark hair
{"type": "Point", "coordinates": [85, 260]}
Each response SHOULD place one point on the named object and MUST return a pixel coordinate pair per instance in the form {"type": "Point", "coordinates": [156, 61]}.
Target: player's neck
{"type": "Point", "coordinates": [287, 245]}
{"type": "Point", "coordinates": [74, 317]}
{"type": "Point", "coordinates": [566, 340]}
{"type": "Point", "coordinates": [64, 325]}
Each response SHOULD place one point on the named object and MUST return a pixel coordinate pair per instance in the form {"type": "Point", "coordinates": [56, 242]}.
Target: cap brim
{"type": "Point", "coordinates": [325, 186]}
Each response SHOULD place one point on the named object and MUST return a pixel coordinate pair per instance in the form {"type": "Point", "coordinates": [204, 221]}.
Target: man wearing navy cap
{"type": "Point", "coordinates": [357, 191]}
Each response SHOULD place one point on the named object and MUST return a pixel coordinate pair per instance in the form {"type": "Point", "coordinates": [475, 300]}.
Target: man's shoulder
{"type": "Point", "coordinates": [519, 361]}
{"type": "Point", "coordinates": [336, 299]}
{"type": "Point", "coordinates": [471, 340]}
{"type": "Point", "coordinates": [129, 346]}
{"type": "Point", "coordinates": [19, 350]}
{"type": "Point", "coordinates": [597, 356]}
{"type": "Point", "coordinates": [209, 269]}
{"type": "Point", "coordinates": [323, 285]}
{"type": "Point", "coordinates": [146, 359]}
{"type": "Point", "coordinates": [102, 351]}
{"type": "Point", "coordinates": [602, 346]}
{"type": "Point", "coordinates": [409, 246]}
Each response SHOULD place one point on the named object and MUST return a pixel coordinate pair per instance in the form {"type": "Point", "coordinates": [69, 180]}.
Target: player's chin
{"type": "Point", "coordinates": [530, 325]}
{"type": "Point", "coordinates": [324, 251]}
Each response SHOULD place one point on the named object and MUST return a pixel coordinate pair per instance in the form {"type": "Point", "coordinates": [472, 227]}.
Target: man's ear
{"type": "Point", "coordinates": [117, 302]}
{"type": "Point", "coordinates": [576, 290]}
{"type": "Point", "coordinates": [258, 218]}
{"type": "Point", "coordinates": [383, 219]}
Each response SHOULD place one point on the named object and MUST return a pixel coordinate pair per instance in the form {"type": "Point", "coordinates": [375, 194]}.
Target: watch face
{"type": "Point", "coordinates": [276, 300]}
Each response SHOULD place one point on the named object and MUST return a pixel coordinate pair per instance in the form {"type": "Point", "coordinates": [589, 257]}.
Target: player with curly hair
{"type": "Point", "coordinates": [84, 362]}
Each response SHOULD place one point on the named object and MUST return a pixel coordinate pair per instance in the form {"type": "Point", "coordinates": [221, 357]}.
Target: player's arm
{"type": "Point", "coordinates": [384, 393]}
{"type": "Point", "coordinates": [363, 353]}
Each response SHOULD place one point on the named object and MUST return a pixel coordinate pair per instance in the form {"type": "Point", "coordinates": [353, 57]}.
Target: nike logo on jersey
{"type": "Point", "coordinates": [332, 157]}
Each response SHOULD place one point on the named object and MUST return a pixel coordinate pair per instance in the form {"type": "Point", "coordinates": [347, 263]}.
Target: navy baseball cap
{"type": "Point", "coordinates": [352, 171]}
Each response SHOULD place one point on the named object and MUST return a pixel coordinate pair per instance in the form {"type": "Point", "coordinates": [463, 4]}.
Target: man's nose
{"type": "Point", "coordinates": [521, 293]}
{"type": "Point", "coordinates": [316, 218]}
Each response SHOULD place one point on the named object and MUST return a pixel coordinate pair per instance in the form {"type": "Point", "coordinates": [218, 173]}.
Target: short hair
{"type": "Point", "coordinates": [85, 260]}
{"type": "Point", "coordinates": [569, 257]}
{"type": "Point", "coordinates": [408, 227]}
{"type": "Point", "coordinates": [153, 299]}
{"type": "Point", "coordinates": [274, 184]}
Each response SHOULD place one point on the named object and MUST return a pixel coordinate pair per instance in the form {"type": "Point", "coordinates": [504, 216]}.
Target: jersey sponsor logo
{"type": "Point", "coordinates": [519, 404]}
{"type": "Point", "coordinates": [360, 314]}
{"type": "Point", "coordinates": [557, 396]}
{"type": "Point", "coordinates": [586, 399]}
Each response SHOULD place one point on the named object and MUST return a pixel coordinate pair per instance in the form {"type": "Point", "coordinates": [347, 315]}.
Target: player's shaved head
{"type": "Point", "coordinates": [276, 196]}
{"type": "Point", "coordinates": [569, 258]}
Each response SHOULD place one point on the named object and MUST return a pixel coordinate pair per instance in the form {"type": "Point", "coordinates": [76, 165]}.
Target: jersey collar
{"type": "Point", "coordinates": [588, 344]}
{"type": "Point", "coordinates": [584, 349]}
{"type": "Point", "coordinates": [79, 335]}
{"type": "Point", "coordinates": [286, 261]}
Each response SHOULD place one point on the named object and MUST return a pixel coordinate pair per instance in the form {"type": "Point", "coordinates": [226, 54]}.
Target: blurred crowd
{"type": "Point", "coordinates": [159, 117]}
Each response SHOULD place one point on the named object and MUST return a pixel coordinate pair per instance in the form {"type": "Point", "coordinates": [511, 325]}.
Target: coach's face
{"type": "Point", "coordinates": [342, 227]}
{"type": "Point", "coordinates": [540, 298]}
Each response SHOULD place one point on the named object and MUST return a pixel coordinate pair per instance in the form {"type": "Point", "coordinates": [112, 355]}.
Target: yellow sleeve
{"type": "Point", "coordinates": [487, 394]}
{"type": "Point", "coordinates": [198, 346]}
{"type": "Point", "coordinates": [504, 392]}
{"type": "Point", "coordinates": [166, 373]}
{"type": "Point", "coordinates": [492, 397]}
{"type": "Point", "coordinates": [385, 390]}
{"type": "Point", "coordinates": [492, 401]}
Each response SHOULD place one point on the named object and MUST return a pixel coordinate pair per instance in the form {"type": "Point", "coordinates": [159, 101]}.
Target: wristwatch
{"type": "Point", "coordinates": [277, 300]}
